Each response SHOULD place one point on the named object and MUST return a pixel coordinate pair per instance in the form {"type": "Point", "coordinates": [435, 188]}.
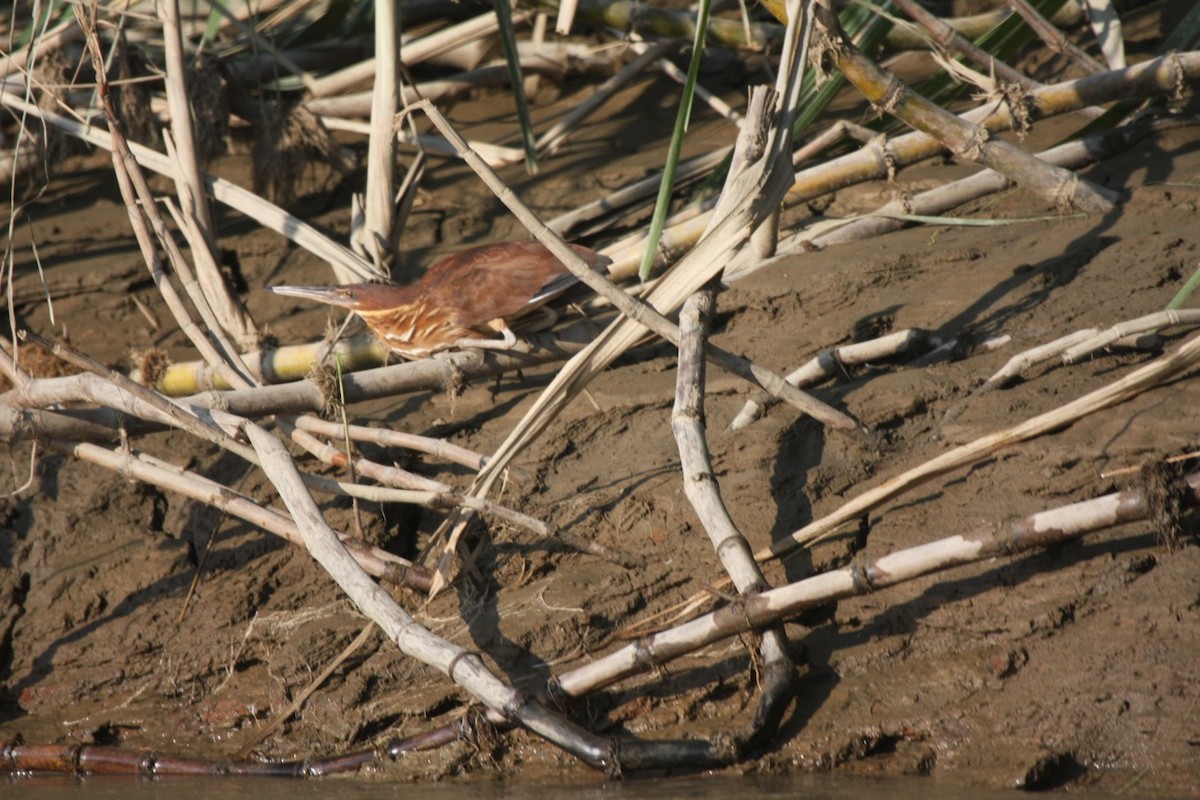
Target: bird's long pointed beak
{"type": "Point", "coordinates": [332, 295]}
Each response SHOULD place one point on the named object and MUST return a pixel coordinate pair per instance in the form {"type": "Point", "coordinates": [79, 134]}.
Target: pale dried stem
{"type": "Point", "coordinates": [624, 198]}
{"type": "Point", "coordinates": [704, 492]}
{"type": "Point", "coordinates": [1133, 327]}
{"type": "Point", "coordinates": [551, 140]}
{"type": "Point", "coordinates": [1072, 155]}
{"type": "Point", "coordinates": [879, 159]}
{"type": "Point", "coordinates": [432, 494]}
{"type": "Point", "coordinates": [1138, 381]}
{"type": "Point", "coordinates": [566, 16]}
{"type": "Point", "coordinates": [111, 389]}
{"type": "Point", "coordinates": [668, 68]}
{"type": "Point", "coordinates": [973, 26]}
{"type": "Point", "coordinates": [414, 52]}
{"type": "Point", "coordinates": [1053, 37]}
{"type": "Point", "coordinates": [146, 468]}
{"type": "Point", "coordinates": [1162, 75]}
{"type": "Point", "coordinates": [142, 217]}
{"type": "Point", "coordinates": [1044, 529]}
{"type": "Point", "coordinates": [385, 437]}
{"type": "Point", "coordinates": [949, 38]}
{"type": "Point", "coordinates": [1076, 345]}
{"type": "Point", "coordinates": [9, 369]}
{"type": "Point", "coordinates": [379, 237]}
{"type": "Point", "coordinates": [556, 60]}
{"type": "Point", "coordinates": [831, 361]}
{"type": "Point", "coordinates": [627, 15]}
{"type": "Point", "coordinates": [233, 368]}
{"type": "Point", "coordinates": [17, 424]}
{"type": "Point", "coordinates": [189, 184]}
{"type": "Point", "coordinates": [44, 42]}
{"type": "Point", "coordinates": [687, 423]}
{"type": "Point", "coordinates": [266, 214]}
{"type": "Point", "coordinates": [462, 667]}
{"type": "Point", "coordinates": [964, 139]}
{"type": "Point", "coordinates": [495, 155]}
{"type": "Point", "coordinates": [278, 57]}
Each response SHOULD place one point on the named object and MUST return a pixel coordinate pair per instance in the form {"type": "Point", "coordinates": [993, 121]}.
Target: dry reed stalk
{"type": "Point", "coordinates": [668, 68]}
{"type": "Point", "coordinates": [379, 236]}
{"type": "Point", "coordinates": [964, 139]}
{"type": "Point", "coordinates": [626, 15]}
{"type": "Point", "coordinates": [1163, 75]}
{"type": "Point", "coordinates": [704, 493]}
{"type": "Point", "coordinates": [566, 16]}
{"type": "Point", "coordinates": [557, 60]}
{"type": "Point", "coordinates": [687, 423]}
{"type": "Point", "coordinates": [947, 37]}
{"type": "Point", "coordinates": [1043, 529]}
{"type": "Point", "coordinates": [275, 365]}
{"type": "Point", "coordinates": [188, 185]}
{"type": "Point", "coordinates": [1074, 346]}
{"type": "Point", "coordinates": [879, 159]}
{"type": "Point", "coordinates": [1053, 37]}
{"type": "Point", "coordinates": [643, 314]}
{"type": "Point", "coordinates": [891, 216]}
{"type": "Point", "coordinates": [623, 200]}
{"type": "Point", "coordinates": [415, 51]}
{"type": "Point", "coordinates": [1133, 384]}
{"type": "Point", "coordinates": [495, 155]}
{"type": "Point", "coordinates": [1131, 328]}
{"type": "Point", "coordinates": [1106, 24]}
{"type": "Point", "coordinates": [829, 362]}
{"type": "Point", "coordinates": [266, 214]}
{"type": "Point", "coordinates": [144, 467]}
{"type": "Point", "coordinates": [233, 319]}
{"type": "Point", "coordinates": [551, 140]}
{"type": "Point", "coordinates": [20, 419]}
{"type": "Point", "coordinates": [386, 437]}
{"type": "Point", "coordinates": [105, 387]}
{"type": "Point", "coordinates": [144, 217]}
{"type": "Point", "coordinates": [423, 491]}
{"type": "Point", "coordinates": [45, 42]}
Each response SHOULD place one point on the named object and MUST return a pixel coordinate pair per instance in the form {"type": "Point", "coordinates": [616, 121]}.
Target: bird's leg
{"type": "Point", "coordinates": [508, 342]}
{"type": "Point", "coordinates": [548, 317]}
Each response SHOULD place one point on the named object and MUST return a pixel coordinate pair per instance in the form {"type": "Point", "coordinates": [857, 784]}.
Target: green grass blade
{"type": "Point", "coordinates": [1182, 295]}
{"type": "Point", "coordinates": [508, 41]}
{"type": "Point", "coordinates": [663, 203]}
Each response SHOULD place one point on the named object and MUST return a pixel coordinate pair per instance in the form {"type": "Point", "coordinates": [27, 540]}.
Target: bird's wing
{"type": "Point", "coordinates": [501, 281]}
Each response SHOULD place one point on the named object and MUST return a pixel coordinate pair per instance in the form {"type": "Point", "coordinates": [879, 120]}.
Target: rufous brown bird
{"type": "Point", "coordinates": [464, 300]}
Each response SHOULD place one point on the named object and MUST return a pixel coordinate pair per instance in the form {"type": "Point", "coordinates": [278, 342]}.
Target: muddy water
{"type": "Point", "coordinates": [809, 787]}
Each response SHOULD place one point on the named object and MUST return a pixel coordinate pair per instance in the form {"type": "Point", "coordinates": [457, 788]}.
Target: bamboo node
{"type": "Point", "coordinates": [892, 97]}
{"type": "Point", "coordinates": [860, 577]}
{"type": "Point", "coordinates": [1179, 76]}
{"type": "Point", "coordinates": [1020, 105]}
{"type": "Point", "coordinates": [974, 147]}
{"type": "Point", "coordinates": [1065, 194]}
{"type": "Point", "coordinates": [460, 657]}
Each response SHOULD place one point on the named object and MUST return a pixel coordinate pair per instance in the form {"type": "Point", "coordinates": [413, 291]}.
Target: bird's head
{"type": "Point", "coordinates": [355, 296]}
